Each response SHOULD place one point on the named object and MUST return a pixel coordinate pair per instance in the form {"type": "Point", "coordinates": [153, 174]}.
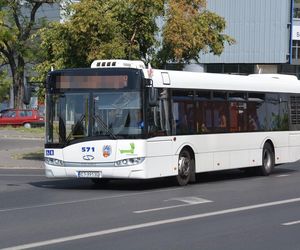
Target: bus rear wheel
{"type": "Point", "coordinates": [268, 160]}
{"type": "Point", "coordinates": [184, 168]}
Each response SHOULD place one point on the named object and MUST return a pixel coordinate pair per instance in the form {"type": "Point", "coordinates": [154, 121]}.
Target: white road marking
{"type": "Point", "coordinates": [291, 223]}
{"type": "Point", "coordinates": [148, 224]}
{"type": "Point", "coordinates": [282, 175]}
{"type": "Point", "coordinates": [161, 208]}
{"type": "Point", "coordinates": [48, 186]}
{"type": "Point", "coordinates": [85, 200]}
{"type": "Point", "coordinates": [189, 201]}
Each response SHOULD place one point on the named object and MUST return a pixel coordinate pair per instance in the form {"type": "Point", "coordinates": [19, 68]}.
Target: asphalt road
{"type": "Point", "coordinates": [224, 210]}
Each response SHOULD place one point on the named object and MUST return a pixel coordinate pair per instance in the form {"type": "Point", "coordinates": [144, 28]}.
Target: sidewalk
{"type": "Point", "coordinates": [12, 160]}
{"type": "Point", "coordinates": [15, 134]}
{"type": "Point", "coordinates": [28, 158]}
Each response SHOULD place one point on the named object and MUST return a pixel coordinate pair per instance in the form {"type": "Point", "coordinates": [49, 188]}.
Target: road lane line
{"type": "Point", "coordinates": [189, 201]}
{"type": "Point", "coordinates": [85, 200]}
{"type": "Point", "coordinates": [161, 208]}
{"type": "Point", "coordinates": [282, 175]}
{"type": "Point", "coordinates": [291, 223]}
{"type": "Point", "coordinates": [148, 224]}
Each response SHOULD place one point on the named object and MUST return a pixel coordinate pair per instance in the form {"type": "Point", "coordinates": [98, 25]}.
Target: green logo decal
{"type": "Point", "coordinates": [128, 151]}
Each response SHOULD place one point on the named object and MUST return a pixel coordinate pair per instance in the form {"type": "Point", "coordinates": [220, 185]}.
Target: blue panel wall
{"type": "Point", "coordinates": [50, 11]}
{"type": "Point", "coordinates": [260, 28]}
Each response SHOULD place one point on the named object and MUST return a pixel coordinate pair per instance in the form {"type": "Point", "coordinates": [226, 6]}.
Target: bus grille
{"type": "Point", "coordinates": [89, 164]}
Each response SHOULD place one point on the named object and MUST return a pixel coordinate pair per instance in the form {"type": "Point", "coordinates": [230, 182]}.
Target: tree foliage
{"type": "Point", "coordinates": [102, 29]}
{"type": "Point", "coordinates": [5, 84]}
{"type": "Point", "coordinates": [99, 29]}
{"type": "Point", "coordinates": [17, 48]}
{"type": "Point", "coordinates": [190, 28]}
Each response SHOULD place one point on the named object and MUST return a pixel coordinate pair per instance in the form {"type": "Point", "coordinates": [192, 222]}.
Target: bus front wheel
{"type": "Point", "coordinates": [268, 160]}
{"type": "Point", "coordinates": [185, 166]}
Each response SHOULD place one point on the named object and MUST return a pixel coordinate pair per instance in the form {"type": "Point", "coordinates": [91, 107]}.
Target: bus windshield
{"type": "Point", "coordinates": [81, 114]}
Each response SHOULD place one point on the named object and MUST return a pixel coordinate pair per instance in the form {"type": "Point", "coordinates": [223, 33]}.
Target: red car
{"type": "Point", "coordinates": [21, 117]}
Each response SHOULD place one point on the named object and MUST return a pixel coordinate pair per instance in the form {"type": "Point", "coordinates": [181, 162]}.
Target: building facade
{"type": "Point", "coordinates": [267, 34]}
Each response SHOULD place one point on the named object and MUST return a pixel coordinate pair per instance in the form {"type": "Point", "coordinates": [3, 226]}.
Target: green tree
{"type": "Point", "coordinates": [5, 84]}
{"type": "Point", "coordinates": [190, 28]}
{"type": "Point", "coordinates": [17, 48]}
{"type": "Point", "coordinates": [139, 21]}
{"type": "Point", "coordinates": [99, 29]}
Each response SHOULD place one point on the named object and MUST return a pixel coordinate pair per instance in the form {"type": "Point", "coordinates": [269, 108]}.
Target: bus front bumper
{"type": "Point", "coordinates": [128, 172]}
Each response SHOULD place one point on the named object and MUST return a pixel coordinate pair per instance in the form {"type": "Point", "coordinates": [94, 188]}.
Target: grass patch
{"type": "Point", "coordinates": [39, 156]}
{"type": "Point", "coordinates": [38, 130]}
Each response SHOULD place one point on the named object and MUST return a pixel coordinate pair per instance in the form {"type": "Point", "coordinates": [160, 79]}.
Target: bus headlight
{"type": "Point", "coordinates": [53, 161]}
{"type": "Point", "coordinates": [129, 162]}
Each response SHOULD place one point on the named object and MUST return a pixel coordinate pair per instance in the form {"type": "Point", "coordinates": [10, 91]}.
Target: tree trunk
{"type": "Point", "coordinates": [18, 90]}
{"type": "Point", "coordinates": [11, 97]}
{"type": "Point", "coordinates": [19, 95]}
{"type": "Point", "coordinates": [19, 83]}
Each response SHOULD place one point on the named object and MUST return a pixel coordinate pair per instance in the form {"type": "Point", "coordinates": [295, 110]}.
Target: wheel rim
{"type": "Point", "coordinates": [267, 160]}
{"type": "Point", "coordinates": [184, 166]}
{"type": "Point", "coordinates": [27, 125]}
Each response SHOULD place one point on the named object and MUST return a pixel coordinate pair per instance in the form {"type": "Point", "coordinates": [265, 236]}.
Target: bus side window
{"type": "Point", "coordinates": [253, 122]}
{"type": "Point", "coordinates": [159, 116]}
{"type": "Point", "coordinates": [294, 112]}
{"type": "Point", "coordinates": [273, 112]}
{"type": "Point", "coordinates": [283, 121]}
{"type": "Point", "coordinates": [257, 112]}
{"type": "Point", "coordinates": [238, 117]}
{"type": "Point", "coordinates": [183, 111]}
{"type": "Point", "coordinates": [220, 111]}
{"type": "Point", "coordinates": [203, 112]}
{"type": "Point", "coordinates": [220, 116]}
{"type": "Point", "coordinates": [280, 118]}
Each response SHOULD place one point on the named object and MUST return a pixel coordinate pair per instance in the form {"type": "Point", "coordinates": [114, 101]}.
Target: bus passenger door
{"type": "Point", "coordinates": [159, 149]}
{"type": "Point", "coordinates": [161, 160]}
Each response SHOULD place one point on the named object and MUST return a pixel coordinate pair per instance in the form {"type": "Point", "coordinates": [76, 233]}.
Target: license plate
{"type": "Point", "coordinates": [89, 174]}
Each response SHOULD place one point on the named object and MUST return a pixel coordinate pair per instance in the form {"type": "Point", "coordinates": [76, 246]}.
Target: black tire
{"type": "Point", "coordinates": [185, 168]}
{"type": "Point", "coordinates": [268, 160]}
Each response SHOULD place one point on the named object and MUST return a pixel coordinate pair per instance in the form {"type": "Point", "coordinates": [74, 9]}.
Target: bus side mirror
{"type": "Point", "coordinates": [152, 97]}
{"type": "Point", "coordinates": [151, 92]}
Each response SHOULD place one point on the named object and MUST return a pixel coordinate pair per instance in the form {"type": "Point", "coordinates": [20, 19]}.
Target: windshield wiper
{"type": "Point", "coordinates": [75, 128]}
{"type": "Point", "coordinates": [102, 123]}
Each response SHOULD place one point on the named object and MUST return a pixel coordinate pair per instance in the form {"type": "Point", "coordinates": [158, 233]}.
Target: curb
{"type": "Point", "coordinates": [21, 138]}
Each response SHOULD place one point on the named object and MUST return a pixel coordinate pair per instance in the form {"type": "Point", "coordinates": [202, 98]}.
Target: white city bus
{"type": "Point", "coordinates": [118, 119]}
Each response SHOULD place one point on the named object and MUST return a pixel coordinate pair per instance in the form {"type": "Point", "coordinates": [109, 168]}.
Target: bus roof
{"type": "Point", "coordinates": [214, 81]}
{"type": "Point", "coordinates": [209, 81]}
{"type": "Point", "coordinates": [117, 64]}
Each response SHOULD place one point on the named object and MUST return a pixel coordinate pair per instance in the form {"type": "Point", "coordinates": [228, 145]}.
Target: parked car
{"type": "Point", "coordinates": [21, 117]}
